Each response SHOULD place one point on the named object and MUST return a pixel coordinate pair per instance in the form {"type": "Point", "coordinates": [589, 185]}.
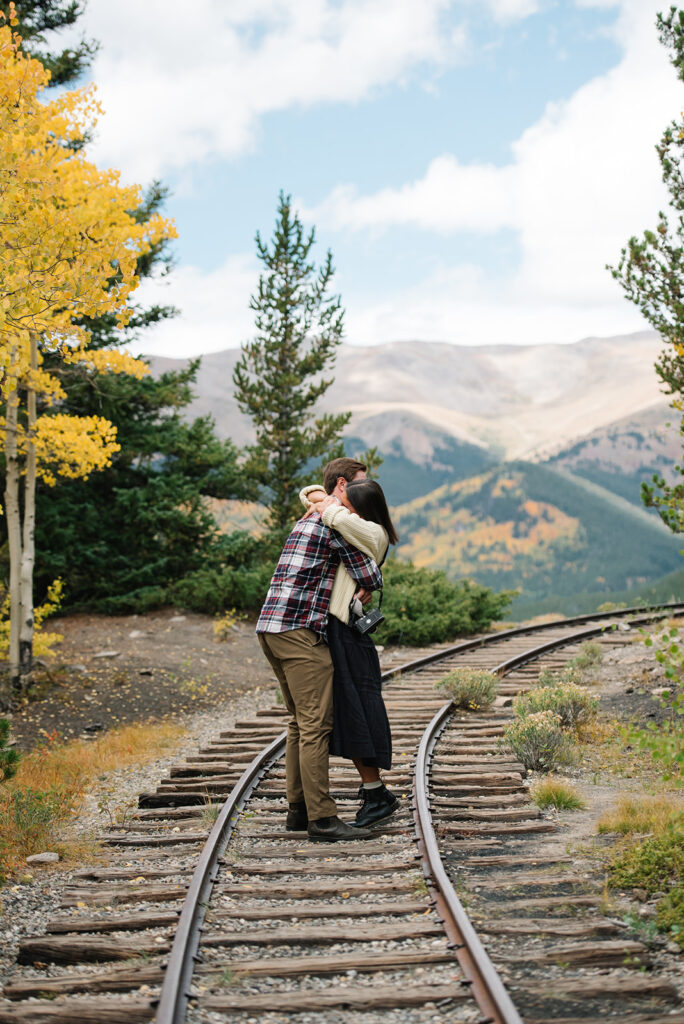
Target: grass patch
{"type": "Point", "coordinates": [654, 863]}
{"type": "Point", "coordinates": [636, 815]}
{"type": "Point", "coordinates": [589, 655]}
{"type": "Point", "coordinates": [670, 915]}
{"type": "Point", "coordinates": [554, 793]}
{"type": "Point", "coordinates": [50, 781]}
{"type": "Point", "coordinates": [469, 688]}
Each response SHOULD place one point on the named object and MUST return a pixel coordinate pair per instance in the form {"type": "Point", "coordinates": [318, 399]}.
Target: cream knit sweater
{"type": "Point", "coordinates": [371, 538]}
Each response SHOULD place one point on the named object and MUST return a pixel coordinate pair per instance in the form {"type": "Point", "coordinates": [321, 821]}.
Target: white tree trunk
{"type": "Point", "coordinates": [13, 516]}
{"type": "Point", "coordinates": [28, 544]}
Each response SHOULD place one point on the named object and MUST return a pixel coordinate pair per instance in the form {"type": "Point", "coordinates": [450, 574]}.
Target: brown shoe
{"type": "Point", "coordinates": [333, 830]}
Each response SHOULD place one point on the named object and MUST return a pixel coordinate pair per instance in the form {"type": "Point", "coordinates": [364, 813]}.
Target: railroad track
{"type": "Point", "coordinates": [252, 922]}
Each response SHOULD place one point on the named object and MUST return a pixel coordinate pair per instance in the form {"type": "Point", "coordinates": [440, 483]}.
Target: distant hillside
{"type": "Point", "coordinates": [513, 400]}
{"type": "Point", "coordinates": [418, 458]}
{"type": "Point", "coordinates": [666, 590]}
{"type": "Point", "coordinates": [537, 529]}
{"type": "Point", "coordinates": [622, 455]}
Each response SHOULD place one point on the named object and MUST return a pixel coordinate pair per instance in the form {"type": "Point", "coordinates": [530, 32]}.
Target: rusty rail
{"type": "Point", "coordinates": [175, 991]}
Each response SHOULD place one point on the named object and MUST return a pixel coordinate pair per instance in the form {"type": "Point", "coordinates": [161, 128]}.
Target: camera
{"type": "Point", "coordinates": [369, 623]}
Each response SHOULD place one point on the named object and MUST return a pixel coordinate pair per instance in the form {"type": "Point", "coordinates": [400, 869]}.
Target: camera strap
{"type": "Point", "coordinates": [380, 565]}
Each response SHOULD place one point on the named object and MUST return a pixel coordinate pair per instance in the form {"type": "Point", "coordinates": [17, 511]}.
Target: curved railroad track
{"type": "Point", "coordinates": [252, 922]}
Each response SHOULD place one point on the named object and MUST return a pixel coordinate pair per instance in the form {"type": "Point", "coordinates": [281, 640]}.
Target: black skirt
{"type": "Point", "coordinates": [361, 729]}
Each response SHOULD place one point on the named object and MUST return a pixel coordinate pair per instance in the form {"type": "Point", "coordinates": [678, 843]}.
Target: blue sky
{"type": "Point", "coordinates": [472, 165]}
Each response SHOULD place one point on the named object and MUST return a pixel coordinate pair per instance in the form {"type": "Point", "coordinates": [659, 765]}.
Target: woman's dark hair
{"type": "Point", "coordinates": [368, 500]}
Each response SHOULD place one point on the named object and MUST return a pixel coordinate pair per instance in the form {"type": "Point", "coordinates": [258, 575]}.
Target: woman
{"type": "Point", "coordinates": [361, 730]}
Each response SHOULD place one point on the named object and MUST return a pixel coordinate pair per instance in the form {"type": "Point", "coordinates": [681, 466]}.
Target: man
{"type": "Point", "coordinates": [291, 630]}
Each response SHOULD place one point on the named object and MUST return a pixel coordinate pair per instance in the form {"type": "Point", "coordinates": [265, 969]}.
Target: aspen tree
{"type": "Point", "coordinates": [69, 250]}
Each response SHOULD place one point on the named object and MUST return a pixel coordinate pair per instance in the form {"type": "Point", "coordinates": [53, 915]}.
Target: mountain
{"type": "Point", "coordinates": [622, 455]}
{"type": "Point", "coordinates": [513, 401]}
{"type": "Point", "coordinates": [537, 529]}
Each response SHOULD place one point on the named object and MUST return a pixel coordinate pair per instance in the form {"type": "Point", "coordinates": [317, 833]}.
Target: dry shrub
{"type": "Point", "coordinates": [471, 689]}
{"type": "Point", "coordinates": [573, 704]}
{"type": "Point", "coordinates": [538, 741]}
{"type": "Point", "coordinates": [50, 781]}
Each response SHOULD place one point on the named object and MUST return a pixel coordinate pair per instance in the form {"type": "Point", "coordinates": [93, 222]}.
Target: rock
{"type": "Point", "coordinates": [144, 671]}
{"type": "Point", "coordinates": [624, 626]}
{"type": "Point", "coordinates": [660, 691]}
{"type": "Point", "coordinates": [93, 727]}
{"type": "Point", "coordinates": [43, 858]}
{"type": "Point", "coordinates": [107, 654]}
{"type": "Point", "coordinates": [178, 618]}
{"type": "Point", "coordinates": [640, 894]}
{"type": "Point", "coordinates": [135, 633]}
{"type": "Point", "coordinates": [502, 702]}
{"type": "Point", "coordinates": [673, 947]}
{"type": "Point", "coordinates": [78, 668]}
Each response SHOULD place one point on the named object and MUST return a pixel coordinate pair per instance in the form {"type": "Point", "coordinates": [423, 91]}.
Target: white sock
{"type": "Point", "coordinates": [372, 785]}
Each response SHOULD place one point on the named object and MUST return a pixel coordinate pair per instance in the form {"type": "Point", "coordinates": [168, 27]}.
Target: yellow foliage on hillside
{"type": "Point", "coordinates": [461, 542]}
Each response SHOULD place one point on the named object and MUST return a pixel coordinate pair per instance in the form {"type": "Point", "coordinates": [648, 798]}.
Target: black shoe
{"type": "Point", "coordinates": [297, 818]}
{"type": "Point", "coordinates": [333, 830]}
{"type": "Point", "coordinates": [378, 805]}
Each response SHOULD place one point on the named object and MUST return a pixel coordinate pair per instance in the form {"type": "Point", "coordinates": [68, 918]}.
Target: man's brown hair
{"type": "Point", "coordinates": [348, 468]}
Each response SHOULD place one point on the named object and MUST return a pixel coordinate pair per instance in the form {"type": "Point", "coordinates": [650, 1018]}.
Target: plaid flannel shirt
{"type": "Point", "coordinates": [299, 595]}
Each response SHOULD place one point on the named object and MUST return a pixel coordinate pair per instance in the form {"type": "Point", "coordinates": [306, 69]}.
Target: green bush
{"type": "Point", "coordinates": [212, 590]}
{"type": "Point", "coordinates": [470, 688]}
{"type": "Point", "coordinates": [654, 864]}
{"type": "Point", "coordinates": [30, 816]}
{"type": "Point", "coordinates": [422, 606]}
{"type": "Point", "coordinates": [670, 915]}
{"type": "Point", "coordinates": [538, 741]}
{"type": "Point", "coordinates": [572, 703]}
{"type": "Point", "coordinates": [9, 759]}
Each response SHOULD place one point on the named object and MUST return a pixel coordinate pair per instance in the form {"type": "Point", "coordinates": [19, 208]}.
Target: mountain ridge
{"type": "Point", "coordinates": [514, 400]}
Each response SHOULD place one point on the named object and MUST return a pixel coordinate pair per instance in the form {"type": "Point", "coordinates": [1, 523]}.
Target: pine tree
{"type": "Point", "coordinates": [121, 538]}
{"type": "Point", "coordinates": [281, 375]}
{"type": "Point", "coordinates": [651, 272]}
{"type": "Point", "coordinates": [36, 18]}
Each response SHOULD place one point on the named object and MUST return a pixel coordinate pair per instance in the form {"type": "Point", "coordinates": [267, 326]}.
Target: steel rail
{"type": "Point", "coordinates": [509, 634]}
{"type": "Point", "coordinates": [486, 985]}
{"type": "Point", "coordinates": [175, 992]}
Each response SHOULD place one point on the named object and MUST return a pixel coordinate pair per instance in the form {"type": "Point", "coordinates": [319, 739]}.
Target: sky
{"type": "Point", "coordinates": [473, 165]}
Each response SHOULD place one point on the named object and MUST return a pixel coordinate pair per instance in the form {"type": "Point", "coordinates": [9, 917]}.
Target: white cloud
{"type": "Point", "coordinates": [580, 182]}
{"type": "Point", "coordinates": [512, 10]}
{"type": "Point", "coordinates": [181, 83]}
{"type": "Point", "coordinates": [214, 308]}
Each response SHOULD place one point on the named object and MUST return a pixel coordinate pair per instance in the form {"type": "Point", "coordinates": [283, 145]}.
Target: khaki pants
{"type": "Point", "coordinates": [303, 667]}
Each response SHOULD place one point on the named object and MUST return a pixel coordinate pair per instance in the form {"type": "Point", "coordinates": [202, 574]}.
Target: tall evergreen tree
{"type": "Point", "coordinates": [651, 272]}
{"type": "Point", "coordinates": [281, 375]}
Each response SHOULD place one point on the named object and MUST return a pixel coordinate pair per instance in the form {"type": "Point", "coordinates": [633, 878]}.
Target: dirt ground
{"type": "Point", "coordinates": [113, 670]}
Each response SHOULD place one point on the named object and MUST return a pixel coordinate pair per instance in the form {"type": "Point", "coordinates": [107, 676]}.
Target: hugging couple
{"type": "Point", "coordinates": [329, 672]}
